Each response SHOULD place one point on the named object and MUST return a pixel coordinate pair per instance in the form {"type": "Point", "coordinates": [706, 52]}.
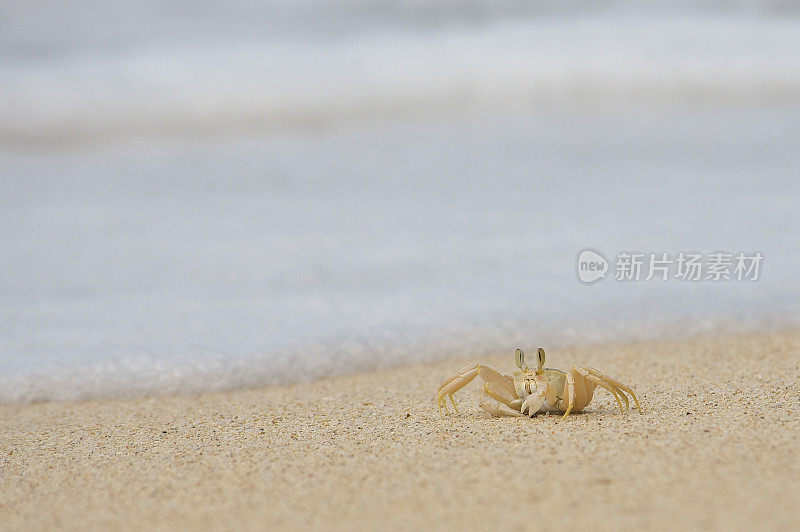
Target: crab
{"type": "Point", "coordinates": [529, 392]}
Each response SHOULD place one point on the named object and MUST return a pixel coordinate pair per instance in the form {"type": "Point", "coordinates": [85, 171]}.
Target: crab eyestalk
{"type": "Point", "coordinates": [519, 357]}
{"type": "Point", "coordinates": [541, 354]}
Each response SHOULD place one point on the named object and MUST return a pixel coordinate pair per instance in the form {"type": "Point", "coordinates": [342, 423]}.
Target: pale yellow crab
{"type": "Point", "coordinates": [529, 392]}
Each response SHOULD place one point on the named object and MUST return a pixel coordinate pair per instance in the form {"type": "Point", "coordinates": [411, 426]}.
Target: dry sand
{"type": "Point", "coordinates": [717, 446]}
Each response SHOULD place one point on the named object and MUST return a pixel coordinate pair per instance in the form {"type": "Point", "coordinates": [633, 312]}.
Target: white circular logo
{"type": "Point", "coordinates": [592, 266]}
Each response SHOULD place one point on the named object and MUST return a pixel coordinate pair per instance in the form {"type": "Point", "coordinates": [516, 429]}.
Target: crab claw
{"type": "Point", "coordinates": [532, 404]}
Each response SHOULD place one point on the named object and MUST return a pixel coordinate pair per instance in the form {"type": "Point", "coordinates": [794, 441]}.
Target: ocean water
{"type": "Point", "coordinates": [196, 198]}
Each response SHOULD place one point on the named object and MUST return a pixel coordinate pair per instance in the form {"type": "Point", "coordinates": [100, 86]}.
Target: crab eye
{"type": "Point", "coordinates": [541, 357]}
{"type": "Point", "coordinates": [520, 359]}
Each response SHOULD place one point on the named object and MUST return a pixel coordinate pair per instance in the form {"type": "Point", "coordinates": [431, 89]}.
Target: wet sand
{"type": "Point", "coordinates": [718, 446]}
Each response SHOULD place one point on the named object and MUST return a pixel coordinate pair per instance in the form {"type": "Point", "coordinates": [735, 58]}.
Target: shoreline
{"type": "Point", "coordinates": [715, 447]}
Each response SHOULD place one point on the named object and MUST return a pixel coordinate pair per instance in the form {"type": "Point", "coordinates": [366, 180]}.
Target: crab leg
{"type": "Point", "coordinates": [500, 386]}
{"type": "Point", "coordinates": [454, 405]}
{"type": "Point", "coordinates": [599, 382]}
{"type": "Point", "coordinates": [579, 389]}
{"type": "Point", "coordinates": [497, 408]}
{"type": "Point", "coordinates": [615, 384]}
{"type": "Point", "coordinates": [498, 393]}
{"type": "Point", "coordinates": [570, 389]}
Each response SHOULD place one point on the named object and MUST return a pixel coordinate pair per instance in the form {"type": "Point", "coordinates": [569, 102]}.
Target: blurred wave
{"type": "Point", "coordinates": [43, 28]}
{"type": "Point", "coordinates": [213, 264]}
{"type": "Point", "coordinates": [242, 77]}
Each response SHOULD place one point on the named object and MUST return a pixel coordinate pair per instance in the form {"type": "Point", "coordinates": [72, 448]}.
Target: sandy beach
{"type": "Point", "coordinates": [243, 243]}
{"type": "Point", "coordinates": [716, 447]}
